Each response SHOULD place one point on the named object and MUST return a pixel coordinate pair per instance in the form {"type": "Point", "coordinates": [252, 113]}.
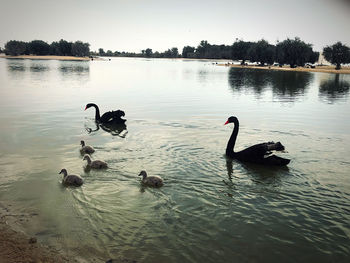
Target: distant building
{"type": "Point", "coordinates": [322, 60]}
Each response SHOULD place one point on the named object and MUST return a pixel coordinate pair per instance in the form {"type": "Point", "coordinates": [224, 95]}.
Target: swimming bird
{"type": "Point", "coordinates": [86, 149]}
{"type": "Point", "coordinates": [71, 179]}
{"type": "Point", "coordinates": [154, 181]}
{"type": "Point", "coordinates": [259, 153]}
{"type": "Point", "coordinates": [110, 116]}
{"type": "Point", "coordinates": [97, 164]}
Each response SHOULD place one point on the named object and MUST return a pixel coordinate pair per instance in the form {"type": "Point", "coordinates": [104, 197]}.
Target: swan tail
{"type": "Point", "coordinates": [271, 146]}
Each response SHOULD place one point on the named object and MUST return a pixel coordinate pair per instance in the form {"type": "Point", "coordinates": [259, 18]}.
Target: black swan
{"type": "Point", "coordinates": [110, 116]}
{"type": "Point", "coordinates": [259, 153]}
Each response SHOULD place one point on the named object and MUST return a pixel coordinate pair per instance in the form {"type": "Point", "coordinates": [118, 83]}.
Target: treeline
{"type": "Point", "coordinates": [39, 47]}
{"type": "Point", "coordinates": [293, 52]}
{"type": "Point", "coordinates": [148, 53]}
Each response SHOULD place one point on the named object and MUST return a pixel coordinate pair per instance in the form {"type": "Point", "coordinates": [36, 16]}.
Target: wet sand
{"type": "Point", "coordinates": [325, 69]}
{"type": "Point", "coordinates": [46, 57]}
{"type": "Point", "coordinates": [15, 246]}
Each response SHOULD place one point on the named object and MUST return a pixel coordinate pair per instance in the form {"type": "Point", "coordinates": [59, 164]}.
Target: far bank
{"type": "Point", "coordinates": [325, 69]}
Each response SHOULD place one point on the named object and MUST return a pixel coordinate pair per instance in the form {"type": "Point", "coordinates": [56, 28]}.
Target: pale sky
{"type": "Point", "coordinates": [133, 25]}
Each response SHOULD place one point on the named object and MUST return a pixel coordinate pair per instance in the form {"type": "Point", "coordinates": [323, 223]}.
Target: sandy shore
{"type": "Point", "coordinates": [17, 247]}
{"type": "Point", "coordinates": [46, 57]}
{"type": "Point", "coordinates": [326, 69]}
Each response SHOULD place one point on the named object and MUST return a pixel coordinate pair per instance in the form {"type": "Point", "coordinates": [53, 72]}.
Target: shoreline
{"type": "Point", "coordinates": [17, 247]}
{"type": "Point", "coordinates": [50, 57]}
{"type": "Point", "coordinates": [324, 69]}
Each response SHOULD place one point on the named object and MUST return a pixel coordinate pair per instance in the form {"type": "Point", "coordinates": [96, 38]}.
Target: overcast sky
{"type": "Point", "coordinates": [133, 25]}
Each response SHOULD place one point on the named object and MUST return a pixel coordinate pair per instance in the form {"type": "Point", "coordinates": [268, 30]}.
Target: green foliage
{"type": "Point", "coordinates": [38, 47]}
{"type": "Point", "coordinates": [65, 48]}
{"type": "Point", "coordinates": [15, 48]}
{"type": "Point", "coordinates": [109, 53]}
{"type": "Point", "coordinates": [148, 53]}
{"type": "Point", "coordinates": [188, 52]}
{"type": "Point", "coordinates": [240, 50]}
{"type": "Point", "coordinates": [80, 49]}
{"type": "Point", "coordinates": [337, 54]}
{"type": "Point", "coordinates": [294, 52]}
{"type": "Point", "coordinates": [262, 52]}
{"type": "Point", "coordinates": [101, 52]}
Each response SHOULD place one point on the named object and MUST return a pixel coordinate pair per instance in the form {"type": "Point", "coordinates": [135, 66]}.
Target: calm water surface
{"type": "Point", "coordinates": [211, 209]}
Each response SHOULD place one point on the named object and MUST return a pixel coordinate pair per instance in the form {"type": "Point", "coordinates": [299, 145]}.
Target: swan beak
{"type": "Point", "coordinates": [85, 107]}
{"type": "Point", "coordinates": [226, 122]}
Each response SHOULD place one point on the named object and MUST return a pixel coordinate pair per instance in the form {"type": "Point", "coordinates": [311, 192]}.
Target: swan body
{"type": "Point", "coordinates": [259, 153]}
{"type": "Point", "coordinates": [154, 181]}
{"type": "Point", "coordinates": [97, 164]}
{"type": "Point", "coordinates": [73, 180]}
{"type": "Point", "coordinates": [86, 149]}
{"type": "Point", "coordinates": [110, 116]}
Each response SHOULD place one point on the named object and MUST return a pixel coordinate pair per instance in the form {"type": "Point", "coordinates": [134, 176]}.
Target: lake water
{"type": "Point", "coordinates": [210, 209]}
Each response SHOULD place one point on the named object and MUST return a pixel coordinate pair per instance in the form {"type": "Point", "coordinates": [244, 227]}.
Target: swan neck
{"type": "Point", "coordinates": [232, 141]}
{"type": "Point", "coordinates": [88, 159]}
{"type": "Point", "coordinates": [97, 112]}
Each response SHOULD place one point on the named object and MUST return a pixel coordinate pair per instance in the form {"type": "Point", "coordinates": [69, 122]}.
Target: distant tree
{"type": "Point", "coordinates": [109, 53]}
{"type": "Point", "coordinates": [262, 52]}
{"type": "Point", "coordinates": [15, 48]}
{"type": "Point", "coordinates": [65, 48]}
{"type": "Point", "coordinates": [80, 49]}
{"type": "Point", "coordinates": [55, 49]}
{"type": "Point", "coordinates": [314, 57]}
{"type": "Point", "coordinates": [294, 52]}
{"type": "Point", "coordinates": [337, 54]}
{"type": "Point", "coordinates": [101, 52]}
{"type": "Point", "coordinates": [188, 52]}
{"type": "Point", "coordinates": [148, 52]}
{"type": "Point", "coordinates": [38, 47]}
{"type": "Point", "coordinates": [240, 50]}
{"type": "Point", "coordinates": [174, 52]}
{"type": "Point", "coordinates": [202, 49]}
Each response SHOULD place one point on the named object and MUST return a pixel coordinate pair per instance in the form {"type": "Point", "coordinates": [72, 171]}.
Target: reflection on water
{"type": "Point", "coordinates": [290, 85]}
{"type": "Point", "coordinates": [69, 67]}
{"type": "Point", "coordinates": [115, 129]}
{"type": "Point", "coordinates": [14, 65]}
{"type": "Point", "coordinates": [335, 87]}
{"type": "Point", "coordinates": [38, 67]}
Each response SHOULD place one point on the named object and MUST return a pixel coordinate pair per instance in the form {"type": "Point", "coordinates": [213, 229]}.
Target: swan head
{"type": "Point", "coordinates": [82, 143]}
{"type": "Point", "coordinates": [88, 105]}
{"type": "Point", "coordinates": [86, 157]}
{"type": "Point", "coordinates": [232, 119]}
{"type": "Point", "coordinates": [143, 174]}
{"type": "Point", "coordinates": [64, 172]}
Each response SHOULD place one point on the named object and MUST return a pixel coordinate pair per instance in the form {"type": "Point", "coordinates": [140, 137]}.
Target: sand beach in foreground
{"type": "Point", "coordinates": [17, 247]}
